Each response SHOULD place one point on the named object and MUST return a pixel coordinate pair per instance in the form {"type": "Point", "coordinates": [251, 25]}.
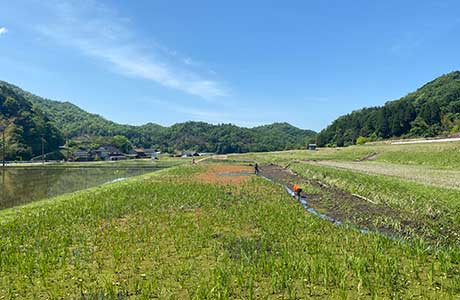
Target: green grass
{"type": "Point", "coordinates": [436, 207]}
{"type": "Point", "coordinates": [416, 173]}
{"type": "Point", "coordinates": [419, 181]}
{"type": "Point", "coordinates": [437, 155]}
{"type": "Point", "coordinates": [168, 236]}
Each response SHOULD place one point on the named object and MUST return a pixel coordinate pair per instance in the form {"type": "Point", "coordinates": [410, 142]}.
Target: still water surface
{"type": "Point", "coordinates": [23, 185]}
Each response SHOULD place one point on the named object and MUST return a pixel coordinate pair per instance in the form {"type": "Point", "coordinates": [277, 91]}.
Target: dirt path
{"type": "Point", "coordinates": [346, 207]}
{"type": "Point", "coordinates": [426, 141]}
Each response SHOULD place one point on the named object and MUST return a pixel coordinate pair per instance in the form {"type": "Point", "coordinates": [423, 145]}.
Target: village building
{"type": "Point", "coordinates": [311, 147]}
{"type": "Point", "coordinates": [151, 153]}
{"type": "Point", "coordinates": [82, 155]}
{"type": "Point", "coordinates": [136, 153]}
{"type": "Point", "coordinates": [106, 152]}
{"type": "Point", "coordinates": [118, 157]}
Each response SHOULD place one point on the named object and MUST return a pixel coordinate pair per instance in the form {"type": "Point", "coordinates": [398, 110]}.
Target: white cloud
{"type": "Point", "coordinates": [100, 33]}
{"type": "Point", "coordinates": [3, 30]}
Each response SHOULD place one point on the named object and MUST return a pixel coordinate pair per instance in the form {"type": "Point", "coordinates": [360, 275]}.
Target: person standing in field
{"type": "Point", "coordinates": [256, 169]}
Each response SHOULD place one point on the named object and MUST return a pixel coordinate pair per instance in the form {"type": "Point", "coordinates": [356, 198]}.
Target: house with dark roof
{"type": "Point", "coordinates": [106, 152]}
{"type": "Point", "coordinates": [142, 153]}
{"type": "Point", "coordinates": [82, 155]}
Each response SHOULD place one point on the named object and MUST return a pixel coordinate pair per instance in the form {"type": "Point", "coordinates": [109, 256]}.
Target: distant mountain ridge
{"type": "Point", "coordinates": [197, 136]}
{"type": "Point", "coordinates": [432, 110]}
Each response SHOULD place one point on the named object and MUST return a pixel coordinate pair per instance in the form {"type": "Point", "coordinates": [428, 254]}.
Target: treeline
{"type": "Point", "coordinates": [79, 125]}
{"type": "Point", "coordinates": [24, 127]}
{"type": "Point", "coordinates": [227, 138]}
{"type": "Point", "coordinates": [432, 110]}
{"type": "Point", "coordinates": [204, 137]}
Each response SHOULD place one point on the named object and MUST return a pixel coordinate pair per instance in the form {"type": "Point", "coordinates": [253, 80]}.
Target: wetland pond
{"type": "Point", "coordinates": [23, 185]}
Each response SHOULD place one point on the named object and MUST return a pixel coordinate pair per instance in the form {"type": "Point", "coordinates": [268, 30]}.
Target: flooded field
{"type": "Point", "coordinates": [23, 185]}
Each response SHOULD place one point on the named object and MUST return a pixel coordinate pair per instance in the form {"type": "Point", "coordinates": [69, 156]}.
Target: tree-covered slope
{"type": "Point", "coordinates": [228, 138]}
{"type": "Point", "coordinates": [282, 135]}
{"type": "Point", "coordinates": [197, 136]}
{"type": "Point", "coordinates": [74, 121]}
{"type": "Point", "coordinates": [432, 110]}
{"type": "Point", "coordinates": [25, 126]}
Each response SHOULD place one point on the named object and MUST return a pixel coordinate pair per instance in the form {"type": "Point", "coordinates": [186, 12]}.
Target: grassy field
{"type": "Point", "coordinates": [416, 182]}
{"type": "Point", "coordinates": [211, 231]}
{"type": "Point", "coordinates": [439, 155]}
{"type": "Point", "coordinates": [416, 173]}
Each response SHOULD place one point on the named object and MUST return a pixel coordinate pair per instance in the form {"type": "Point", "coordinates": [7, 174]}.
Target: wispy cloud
{"type": "Point", "coordinates": [3, 30]}
{"type": "Point", "coordinates": [99, 32]}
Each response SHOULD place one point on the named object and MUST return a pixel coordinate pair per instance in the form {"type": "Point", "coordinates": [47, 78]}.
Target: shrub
{"type": "Point", "coordinates": [361, 140]}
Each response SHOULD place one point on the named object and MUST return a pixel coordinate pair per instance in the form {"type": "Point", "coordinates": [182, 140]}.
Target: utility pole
{"type": "Point", "coordinates": [43, 150]}
{"type": "Point", "coordinates": [3, 146]}
{"type": "Point", "coordinates": [3, 128]}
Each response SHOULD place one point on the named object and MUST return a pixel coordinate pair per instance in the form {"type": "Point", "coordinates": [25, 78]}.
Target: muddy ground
{"type": "Point", "coordinates": [351, 209]}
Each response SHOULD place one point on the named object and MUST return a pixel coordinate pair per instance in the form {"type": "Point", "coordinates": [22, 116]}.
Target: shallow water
{"type": "Point", "coordinates": [23, 185]}
{"type": "Point", "coordinates": [303, 201]}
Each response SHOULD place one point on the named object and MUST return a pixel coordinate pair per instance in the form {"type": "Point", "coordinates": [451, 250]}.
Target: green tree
{"type": "Point", "coordinates": [122, 143]}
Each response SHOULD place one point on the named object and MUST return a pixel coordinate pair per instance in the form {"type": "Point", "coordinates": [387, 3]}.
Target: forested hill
{"type": "Point", "coordinates": [190, 136]}
{"type": "Point", "coordinates": [72, 120]}
{"type": "Point", "coordinates": [25, 126]}
{"type": "Point", "coordinates": [432, 110]}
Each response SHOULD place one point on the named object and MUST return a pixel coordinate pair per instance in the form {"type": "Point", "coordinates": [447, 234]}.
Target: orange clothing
{"type": "Point", "coordinates": [296, 187]}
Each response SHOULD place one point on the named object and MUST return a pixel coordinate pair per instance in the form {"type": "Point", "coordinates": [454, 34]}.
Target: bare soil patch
{"type": "Point", "coordinates": [225, 174]}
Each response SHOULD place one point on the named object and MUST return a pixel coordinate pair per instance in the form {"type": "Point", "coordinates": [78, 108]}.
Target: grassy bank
{"type": "Point", "coordinates": [205, 232]}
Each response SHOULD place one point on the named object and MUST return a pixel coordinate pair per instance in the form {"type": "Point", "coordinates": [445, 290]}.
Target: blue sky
{"type": "Point", "coordinates": [242, 62]}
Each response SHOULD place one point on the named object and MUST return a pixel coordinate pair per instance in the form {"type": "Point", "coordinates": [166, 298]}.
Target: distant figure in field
{"type": "Point", "coordinates": [193, 161]}
{"type": "Point", "coordinates": [297, 190]}
{"type": "Point", "coordinates": [256, 169]}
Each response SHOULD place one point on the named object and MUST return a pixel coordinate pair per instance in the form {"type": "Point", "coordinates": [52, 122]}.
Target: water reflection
{"type": "Point", "coordinates": [23, 185]}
